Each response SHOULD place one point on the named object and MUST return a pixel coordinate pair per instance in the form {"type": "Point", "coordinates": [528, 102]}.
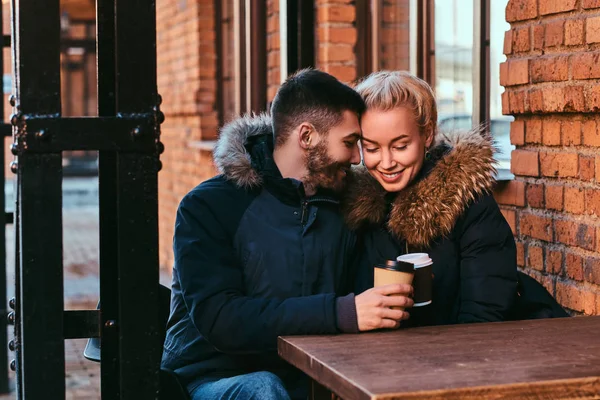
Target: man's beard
{"type": "Point", "coordinates": [324, 171]}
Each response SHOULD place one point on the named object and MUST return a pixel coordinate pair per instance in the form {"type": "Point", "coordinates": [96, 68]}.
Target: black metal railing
{"type": "Point", "coordinates": [126, 135]}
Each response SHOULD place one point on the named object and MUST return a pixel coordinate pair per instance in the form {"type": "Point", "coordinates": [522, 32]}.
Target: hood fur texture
{"type": "Point", "coordinates": [430, 208]}
{"type": "Point", "coordinates": [230, 154]}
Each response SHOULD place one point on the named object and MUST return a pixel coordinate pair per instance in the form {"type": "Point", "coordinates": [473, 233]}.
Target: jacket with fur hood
{"type": "Point", "coordinates": [254, 259]}
{"type": "Point", "coordinates": [448, 212]}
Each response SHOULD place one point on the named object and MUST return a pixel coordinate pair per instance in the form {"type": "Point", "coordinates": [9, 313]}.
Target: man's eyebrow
{"type": "Point", "coordinates": [353, 135]}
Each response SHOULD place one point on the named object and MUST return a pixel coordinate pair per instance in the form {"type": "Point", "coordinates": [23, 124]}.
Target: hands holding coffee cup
{"type": "Point", "coordinates": [383, 306]}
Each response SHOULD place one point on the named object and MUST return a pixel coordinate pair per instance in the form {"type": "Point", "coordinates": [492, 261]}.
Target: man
{"type": "Point", "coordinates": [262, 250]}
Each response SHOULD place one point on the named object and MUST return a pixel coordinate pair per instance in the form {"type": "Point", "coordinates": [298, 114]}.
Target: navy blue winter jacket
{"type": "Point", "coordinates": [254, 259]}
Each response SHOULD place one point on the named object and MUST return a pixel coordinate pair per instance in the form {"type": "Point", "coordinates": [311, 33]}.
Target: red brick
{"type": "Point", "coordinates": [549, 69]}
{"type": "Point", "coordinates": [535, 195]}
{"type": "Point", "coordinates": [575, 298]}
{"type": "Point", "coordinates": [521, 10]}
{"type": "Point", "coordinates": [517, 132]}
{"type": "Point", "coordinates": [593, 98]}
{"type": "Point", "coordinates": [565, 99]}
{"type": "Point", "coordinates": [511, 217]}
{"type": "Point", "coordinates": [574, 32]}
{"type": "Point", "coordinates": [564, 165]}
{"type": "Point", "coordinates": [598, 239]}
{"type": "Point", "coordinates": [574, 234]}
{"type": "Point", "coordinates": [536, 100]}
{"type": "Point", "coordinates": [574, 200]}
{"type": "Point", "coordinates": [521, 42]}
{"type": "Point", "coordinates": [508, 42]}
{"type": "Point", "coordinates": [505, 105]}
{"type": "Point", "coordinates": [504, 80]}
{"type": "Point", "coordinates": [535, 257]}
{"type": "Point", "coordinates": [536, 227]}
{"type": "Point", "coordinates": [554, 262]}
{"type": "Point", "coordinates": [574, 267]}
{"type": "Point", "coordinates": [533, 131]}
{"type": "Point", "coordinates": [554, 197]}
{"type": "Point", "coordinates": [336, 13]}
{"type": "Point", "coordinates": [591, 133]}
{"type": "Point", "coordinates": [585, 65]}
{"type": "Point", "coordinates": [592, 30]}
{"type": "Point", "coordinates": [592, 270]}
{"type": "Point", "coordinates": [345, 73]}
{"type": "Point", "coordinates": [574, 100]}
{"type": "Point", "coordinates": [516, 100]}
{"type": "Point", "coordinates": [571, 133]}
{"type": "Point", "coordinates": [591, 3]}
{"type": "Point", "coordinates": [538, 37]}
{"type": "Point", "coordinates": [554, 33]}
{"type": "Point", "coordinates": [511, 193]}
{"type": "Point", "coordinates": [551, 132]}
{"type": "Point", "coordinates": [520, 254]}
{"type": "Point", "coordinates": [597, 168]}
{"type": "Point", "coordinates": [525, 163]}
{"type": "Point", "coordinates": [337, 35]}
{"type": "Point", "coordinates": [518, 72]}
{"type": "Point", "coordinates": [335, 53]}
{"type": "Point", "coordinates": [556, 6]}
{"type": "Point", "coordinates": [586, 168]}
{"type": "Point", "coordinates": [592, 201]}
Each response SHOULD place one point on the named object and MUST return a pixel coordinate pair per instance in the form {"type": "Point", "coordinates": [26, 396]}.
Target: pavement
{"type": "Point", "coordinates": [81, 271]}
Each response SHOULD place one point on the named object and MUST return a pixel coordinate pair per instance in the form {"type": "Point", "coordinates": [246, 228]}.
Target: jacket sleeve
{"type": "Point", "coordinates": [488, 264]}
{"type": "Point", "coordinates": [211, 280]}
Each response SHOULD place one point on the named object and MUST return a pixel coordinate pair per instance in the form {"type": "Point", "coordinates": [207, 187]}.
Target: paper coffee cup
{"type": "Point", "coordinates": [393, 271]}
{"type": "Point", "coordinates": [422, 281]}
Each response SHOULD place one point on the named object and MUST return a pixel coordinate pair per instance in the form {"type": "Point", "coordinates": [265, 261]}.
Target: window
{"type": "Point", "coordinates": [434, 40]}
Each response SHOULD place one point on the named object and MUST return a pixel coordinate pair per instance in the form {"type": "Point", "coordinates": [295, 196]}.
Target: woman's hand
{"type": "Point", "coordinates": [373, 306]}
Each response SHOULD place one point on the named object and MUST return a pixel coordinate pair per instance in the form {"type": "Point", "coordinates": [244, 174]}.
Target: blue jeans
{"type": "Point", "coordinates": [254, 386]}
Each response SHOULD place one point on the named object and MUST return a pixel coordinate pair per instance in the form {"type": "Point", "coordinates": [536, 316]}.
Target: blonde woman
{"type": "Point", "coordinates": [421, 191]}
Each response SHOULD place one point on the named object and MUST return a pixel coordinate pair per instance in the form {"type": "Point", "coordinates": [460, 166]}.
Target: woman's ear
{"type": "Point", "coordinates": [306, 135]}
{"type": "Point", "coordinates": [429, 136]}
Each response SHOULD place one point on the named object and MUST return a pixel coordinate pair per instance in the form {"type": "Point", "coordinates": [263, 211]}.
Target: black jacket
{"type": "Point", "coordinates": [254, 259]}
{"type": "Point", "coordinates": [448, 212]}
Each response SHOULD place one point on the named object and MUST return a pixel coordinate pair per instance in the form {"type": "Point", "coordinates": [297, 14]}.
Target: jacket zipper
{"type": "Point", "coordinates": [304, 215]}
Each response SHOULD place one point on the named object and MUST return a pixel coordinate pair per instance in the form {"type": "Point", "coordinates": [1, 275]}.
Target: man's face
{"type": "Point", "coordinates": [329, 160]}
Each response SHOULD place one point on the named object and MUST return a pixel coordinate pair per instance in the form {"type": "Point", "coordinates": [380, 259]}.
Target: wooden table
{"type": "Point", "coordinates": [540, 359]}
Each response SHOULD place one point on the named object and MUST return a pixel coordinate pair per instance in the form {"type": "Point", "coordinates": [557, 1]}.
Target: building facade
{"type": "Point", "coordinates": [528, 68]}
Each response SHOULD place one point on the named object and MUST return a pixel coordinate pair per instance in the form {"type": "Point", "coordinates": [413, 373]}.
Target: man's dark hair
{"type": "Point", "coordinates": [313, 96]}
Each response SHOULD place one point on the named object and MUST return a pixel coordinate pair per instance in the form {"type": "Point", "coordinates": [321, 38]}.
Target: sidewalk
{"type": "Point", "coordinates": [81, 286]}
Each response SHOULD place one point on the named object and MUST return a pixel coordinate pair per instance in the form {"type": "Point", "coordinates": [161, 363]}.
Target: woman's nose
{"type": "Point", "coordinates": [387, 161]}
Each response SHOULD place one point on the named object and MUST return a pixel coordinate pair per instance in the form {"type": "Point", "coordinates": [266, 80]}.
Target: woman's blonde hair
{"type": "Point", "coordinates": [386, 90]}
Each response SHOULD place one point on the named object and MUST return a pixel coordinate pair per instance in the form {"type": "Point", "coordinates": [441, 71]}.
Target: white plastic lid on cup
{"type": "Point", "coordinates": [419, 260]}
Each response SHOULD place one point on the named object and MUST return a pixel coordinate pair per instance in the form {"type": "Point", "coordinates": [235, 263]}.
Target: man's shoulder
{"type": "Point", "coordinates": [217, 192]}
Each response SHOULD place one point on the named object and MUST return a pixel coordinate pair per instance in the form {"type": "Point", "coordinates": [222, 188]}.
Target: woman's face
{"type": "Point", "coordinates": [393, 146]}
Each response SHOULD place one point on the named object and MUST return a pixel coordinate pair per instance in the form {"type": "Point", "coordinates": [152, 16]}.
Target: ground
{"type": "Point", "coordinates": [81, 286]}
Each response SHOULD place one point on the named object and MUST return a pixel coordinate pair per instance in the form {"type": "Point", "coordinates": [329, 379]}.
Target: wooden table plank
{"type": "Point", "coordinates": [552, 358]}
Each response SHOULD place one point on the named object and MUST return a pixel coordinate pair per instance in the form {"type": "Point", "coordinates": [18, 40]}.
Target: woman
{"type": "Point", "coordinates": [420, 191]}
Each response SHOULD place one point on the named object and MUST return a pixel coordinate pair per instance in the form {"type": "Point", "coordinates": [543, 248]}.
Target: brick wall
{"type": "Point", "coordinates": [187, 83]}
{"type": "Point", "coordinates": [336, 37]}
{"type": "Point", "coordinates": [273, 55]}
{"type": "Point", "coordinates": [552, 78]}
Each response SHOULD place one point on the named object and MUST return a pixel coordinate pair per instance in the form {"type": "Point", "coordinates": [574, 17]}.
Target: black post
{"type": "Point", "coordinates": [137, 204]}
{"type": "Point", "coordinates": [4, 387]}
{"type": "Point", "coordinates": [41, 367]}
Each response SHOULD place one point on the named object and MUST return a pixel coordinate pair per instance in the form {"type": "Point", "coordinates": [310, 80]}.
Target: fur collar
{"type": "Point", "coordinates": [430, 207]}
{"type": "Point", "coordinates": [231, 157]}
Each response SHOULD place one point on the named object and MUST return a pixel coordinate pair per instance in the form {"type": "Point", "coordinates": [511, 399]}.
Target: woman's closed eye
{"type": "Point", "coordinates": [371, 149]}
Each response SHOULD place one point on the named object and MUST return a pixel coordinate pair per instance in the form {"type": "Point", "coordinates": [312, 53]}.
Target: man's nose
{"type": "Point", "coordinates": [355, 159]}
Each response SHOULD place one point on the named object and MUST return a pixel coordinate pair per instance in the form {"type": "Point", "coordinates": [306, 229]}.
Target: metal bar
{"type": "Point", "coordinates": [107, 187]}
{"type": "Point", "coordinates": [5, 130]}
{"type": "Point", "coordinates": [6, 40]}
{"type": "Point", "coordinates": [239, 23]}
{"type": "Point", "coordinates": [125, 134]}
{"type": "Point", "coordinates": [306, 33]}
{"type": "Point", "coordinates": [220, 57]}
{"type": "Point", "coordinates": [42, 364]}
{"type": "Point", "coordinates": [257, 54]}
{"type": "Point", "coordinates": [81, 324]}
{"type": "Point", "coordinates": [426, 41]}
{"type": "Point", "coordinates": [364, 39]}
{"type": "Point", "coordinates": [292, 36]}
{"type": "Point", "coordinates": [481, 62]}
{"type": "Point", "coordinates": [3, 312]}
{"type": "Point", "coordinates": [9, 218]}
{"type": "Point", "coordinates": [137, 201]}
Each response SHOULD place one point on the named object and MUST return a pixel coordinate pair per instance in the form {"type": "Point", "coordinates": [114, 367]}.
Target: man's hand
{"type": "Point", "coordinates": [373, 306]}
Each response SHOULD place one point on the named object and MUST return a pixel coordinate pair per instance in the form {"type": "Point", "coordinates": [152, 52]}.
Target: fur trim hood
{"type": "Point", "coordinates": [463, 169]}
{"type": "Point", "coordinates": [231, 156]}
